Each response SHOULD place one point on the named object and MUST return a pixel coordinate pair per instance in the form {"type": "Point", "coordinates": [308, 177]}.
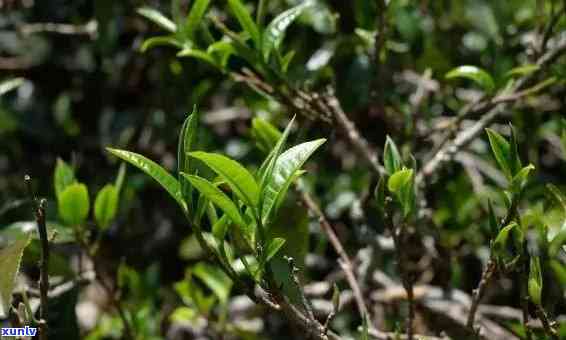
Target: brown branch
{"type": "Point", "coordinates": [44, 260]}
{"type": "Point", "coordinates": [478, 293]}
{"type": "Point", "coordinates": [548, 326]}
{"type": "Point", "coordinates": [345, 262]}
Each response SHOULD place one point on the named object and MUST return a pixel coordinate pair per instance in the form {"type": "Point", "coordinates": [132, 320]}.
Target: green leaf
{"type": "Point", "coordinates": [164, 40]}
{"type": "Point", "coordinates": [556, 244]}
{"type": "Point", "coordinates": [220, 228]}
{"type": "Point", "coordinates": [158, 18]}
{"type": "Point", "coordinates": [120, 178]}
{"type": "Point", "coordinates": [501, 244]}
{"type": "Point", "coordinates": [106, 205]}
{"type": "Point", "coordinates": [240, 180]}
{"type": "Point", "coordinates": [520, 180]}
{"type": "Point", "coordinates": [523, 70]}
{"type": "Point", "coordinates": [275, 31]}
{"type": "Point", "coordinates": [391, 157]}
{"type": "Point", "coordinates": [217, 197]}
{"type": "Point", "coordinates": [10, 258]}
{"type": "Point", "coordinates": [215, 279]}
{"type": "Point", "coordinates": [502, 151]}
{"type": "Point", "coordinates": [399, 179]}
{"type": "Point", "coordinates": [186, 143]}
{"type": "Point", "coordinates": [265, 134]}
{"type": "Point", "coordinates": [244, 18]}
{"type": "Point", "coordinates": [195, 17]}
{"type": "Point", "coordinates": [514, 160]}
{"type": "Point", "coordinates": [64, 176]}
{"type": "Point", "coordinates": [283, 173]}
{"type": "Point", "coordinates": [273, 248]}
{"type": "Point", "coordinates": [167, 182]}
{"type": "Point", "coordinates": [476, 74]}
{"type": "Point", "coordinates": [221, 50]}
{"type": "Point", "coordinates": [557, 195]}
{"type": "Point", "coordinates": [286, 60]}
{"type": "Point", "coordinates": [74, 204]}
{"type": "Point", "coordinates": [266, 169]}
{"type": "Point", "coordinates": [535, 281]}
{"type": "Point", "coordinates": [198, 54]}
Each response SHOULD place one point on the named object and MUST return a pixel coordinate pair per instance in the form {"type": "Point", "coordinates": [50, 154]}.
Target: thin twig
{"type": "Point", "coordinates": [44, 260]}
{"type": "Point", "coordinates": [294, 276]}
{"type": "Point", "coordinates": [478, 293]}
{"type": "Point", "coordinates": [547, 325]}
{"type": "Point", "coordinates": [345, 262]}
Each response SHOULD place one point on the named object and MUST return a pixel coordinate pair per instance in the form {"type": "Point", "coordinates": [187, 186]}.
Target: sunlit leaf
{"type": "Point", "coordinates": [244, 18]}
{"type": "Point", "coordinates": [215, 279]}
{"type": "Point", "coordinates": [398, 179]}
{"type": "Point", "coordinates": [535, 281]}
{"type": "Point", "coordinates": [275, 31]}
{"type": "Point", "coordinates": [523, 70]}
{"type": "Point", "coordinates": [10, 84]}
{"type": "Point", "coordinates": [165, 179]}
{"type": "Point", "coordinates": [195, 17]}
{"type": "Point", "coordinates": [273, 248]}
{"type": "Point", "coordinates": [186, 143]}
{"type": "Point", "coordinates": [502, 151]}
{"type": "Point", "coordinates": [165, 40]}
{"type": "Point", "coordinates": [198, 54]}
{"type": "Point", "coordinates": [74, 204]}
{"type": "Point", "coordinates": [106, 205]}
{"type": "Point", "coordinates": [265, 134]}
{"type": "Point", "coordinates": [158, 18]}
{"type": "Point", "coordinates": [285, 167]}
{"type": "Point", "coordinates": [391, 157]}
{"type": "Point", "coordinates": [216, 196]}
{"type": "Point", "coordinates": [476, 74]}
{"type": "Point", "coordinates": [63, 177]}
{"type": "Point", "coordinates": [240, 180]}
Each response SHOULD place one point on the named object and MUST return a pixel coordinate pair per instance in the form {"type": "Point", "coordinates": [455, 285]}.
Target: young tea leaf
{"type": "Point", "coordinates": [265, 134]}
{"type": "Point", "coordinates": [521, 178]}
{"type": "Point", "coordinates": [167, 182]}
{"type": "Point", "coordinates": [523, 70]}
{"type": "Point", "coordinates": [165, 40]}
{"type": "Point", "coordinates": [476, 74]}
{"type": "Point", "coordinates": [217, 197]}
{"type": "Point", "coordinates": [273, 248]}
{"type": "Point", "coordinates": [74, 204]}
{"type": "Point", "coordinates": [106, 205]}
{"type": "Point", "coordinates": [283, 173]}
{"type": "Point", "coordinates": [244, 18]}
{"type": "Point", "coordinates": [158, 18]}
{"type": "Point", "coordinates": [215, 279]}
{"type": "Point", "coordinates": [502, 152]}
{"type": "Point", "coordinates": [535, 281]}
{"type": "Point", "coordinates": [399, 179]}
{"type": "Point", "coordinates": [391, 157]}
{"type": "Point", "coordinates": [240, 180]}
{"type": "Point", "coordinates": [186, 143]}
{"type": "Point", "coordinates": [64, 176]}
{"type": "Point", "coordinates": [275, 31]}
{"type": "Point", "coordinates": [195, 16]}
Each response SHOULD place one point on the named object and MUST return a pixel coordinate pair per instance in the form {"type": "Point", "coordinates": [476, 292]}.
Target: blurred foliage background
{"type": "Point", "coordinates": [85, 85]}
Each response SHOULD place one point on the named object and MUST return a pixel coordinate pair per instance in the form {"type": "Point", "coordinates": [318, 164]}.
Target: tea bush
{"type": "Point", "coordinates": [348, 170]}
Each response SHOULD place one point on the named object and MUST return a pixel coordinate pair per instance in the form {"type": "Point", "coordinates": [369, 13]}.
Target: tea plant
{"type": "Point", "coordinates": [393, 241]}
